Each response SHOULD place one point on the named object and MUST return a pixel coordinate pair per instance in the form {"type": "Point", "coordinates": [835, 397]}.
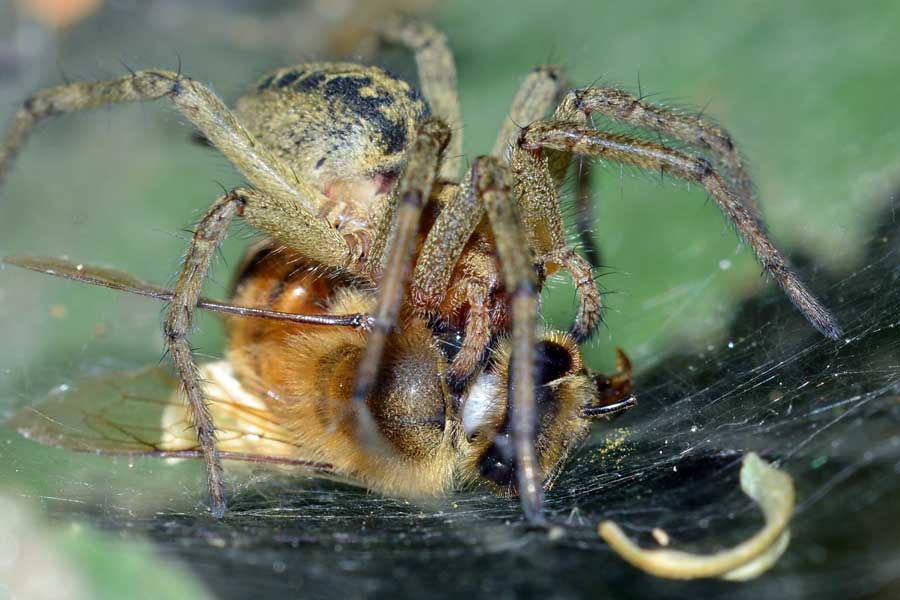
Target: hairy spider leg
{"type": "Point", "coordinates": [440, 252]}
{"type": "Point", "coordinates": [494, 187]}
{"type": "Point", "coordinates": [694, 130]}
{"type": "Point", "coordinates": [177, 324]}
{"type": "Point", "coordinates": [437, 79]}
{"type": "Point", "coordinates": [538, 196]}
{"type": "Point", "coordinates": [658, 158]}
{"type": "Point", "coordinates": [412, 193]}
{"type": "Point", "coordinates": [290, 212]}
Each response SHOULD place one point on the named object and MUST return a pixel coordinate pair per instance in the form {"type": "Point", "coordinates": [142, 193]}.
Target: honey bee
{"type": "Point", "coordinates": [283, 396]}
{"type": "Point", "coordinates": [387, 331]}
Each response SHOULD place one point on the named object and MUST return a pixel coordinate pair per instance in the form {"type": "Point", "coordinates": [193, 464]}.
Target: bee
{"type": "Point", "coordinates": [387, 331]}
{"type": "Point", "coordinates": [283, 394]}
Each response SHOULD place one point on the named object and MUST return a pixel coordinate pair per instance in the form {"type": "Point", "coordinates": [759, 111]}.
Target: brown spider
{"type": "Point", "coordinates": [356, 171]}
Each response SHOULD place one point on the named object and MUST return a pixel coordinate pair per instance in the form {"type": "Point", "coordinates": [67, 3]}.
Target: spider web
{"type": "Point", "coordinates": [828, 413]}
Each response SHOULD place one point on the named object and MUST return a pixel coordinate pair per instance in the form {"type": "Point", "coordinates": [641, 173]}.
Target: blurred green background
{"type": "Point", "coordinates": [809, 90]}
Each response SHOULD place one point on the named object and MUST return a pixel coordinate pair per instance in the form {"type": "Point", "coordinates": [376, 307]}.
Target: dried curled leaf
{"type": "Point", "coordinates": [772, 489]}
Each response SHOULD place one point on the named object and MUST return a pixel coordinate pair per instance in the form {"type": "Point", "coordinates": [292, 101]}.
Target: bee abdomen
{"type": "Point", "coordinates": [307, 372]}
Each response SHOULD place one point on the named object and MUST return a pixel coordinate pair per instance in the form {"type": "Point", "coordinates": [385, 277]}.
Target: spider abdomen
{"type": "Point", "coordinates": [344, 126]}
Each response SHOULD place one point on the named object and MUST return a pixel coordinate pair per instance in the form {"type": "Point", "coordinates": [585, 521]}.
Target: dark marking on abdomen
{"type": "Point", "coordinates": [347, 90]}
{"type": "Point", "coordinates": [288, 78]}
{"type": "Point", "coordinates": [311, 81]}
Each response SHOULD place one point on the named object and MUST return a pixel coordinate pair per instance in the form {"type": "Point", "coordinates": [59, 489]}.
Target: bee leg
{"type": "Point", "coordinates": [178, 320]}
{"type": "Point", "coordinates": [661, 159]}
{"type": "Point", "coordinates": [413, 192]}
{"type": "Point", "coordinates": [493, 186]}
{"type": "Point", "coordinates": [437, 76]}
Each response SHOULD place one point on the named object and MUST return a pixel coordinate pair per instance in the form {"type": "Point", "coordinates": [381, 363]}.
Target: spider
{"type": "Point", "coordinates": [358, 172]}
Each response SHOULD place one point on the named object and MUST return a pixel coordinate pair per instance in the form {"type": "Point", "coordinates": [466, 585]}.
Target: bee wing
{"type": "Point", "coordinates": [102, 276]}
{"type": "Point", "coordinates": [142, 413]}
{"type": "Point", "coordinates": [126, 282]}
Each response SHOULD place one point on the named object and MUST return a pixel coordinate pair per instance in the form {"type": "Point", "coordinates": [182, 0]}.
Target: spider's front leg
{"type": "Point", "coordinates": [396, 236]}
{"type": "Point", "coordinates": [656, 157]}
{"type": "Point", "coordinates": [536, 192]}
{"type": "Point", "coordinates": [290, 212]}
{"type": "Point", "coordinates": [487, 190]}
{"type": "Point", "coordinates": [494, 188]}
{"type": "Point", "coordinates": [439, 258]}
{"type": "Point", "coordinates": [537, 177]}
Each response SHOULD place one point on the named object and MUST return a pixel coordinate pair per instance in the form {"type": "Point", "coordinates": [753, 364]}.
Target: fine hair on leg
{"type": "Point", "coordinates": [660, 159]}
{"type": "Point", "coordinates": [413, 192]}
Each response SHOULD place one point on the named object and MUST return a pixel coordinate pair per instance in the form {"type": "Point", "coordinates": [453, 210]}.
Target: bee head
{"type": "Point", "coordinates": [567, 398]}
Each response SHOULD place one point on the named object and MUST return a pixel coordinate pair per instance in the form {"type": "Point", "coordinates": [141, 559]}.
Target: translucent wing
{"type": "Point", "coordinates": [102, 276]}
{"type": "Point", "coordinates": [126, 282]}
{"type": "Point", "coordinates": [141, 413]}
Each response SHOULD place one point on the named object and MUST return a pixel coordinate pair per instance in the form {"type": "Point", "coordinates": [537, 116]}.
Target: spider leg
{"type": "Point", "coordinates": [414, 190]}
{"type": "Point", "coordinates": [486, 189]}
{"type": "Point", "coordinates": [493, 185]}
{"type": "Point", "coordinates": [658, 158]}
{"type": "Point", "coordinates": [290, 210]}
{"type": "Point", "coordinates": [700, 133]}
{"type": "Point", "coordinates": [178, 320]}
{"type": "Point", "coordinates": [538, 201]}
{"type": "Point", "coordinates": [461, 214]}
{"type": "Point", "coordinates": [208, 234]}
{"type": "Point", "coordinates": [540, 90]}
{"type": "Point", "coordinates": [437, 77]}
{"type": "Point", "coordinates": [584, 212]}
{"type": "Point", "coordinates": [444, 244]}
{"type": "Point", "coordinates": [282, 205]}
{"type": "Point", "coordinates": [477, 334]}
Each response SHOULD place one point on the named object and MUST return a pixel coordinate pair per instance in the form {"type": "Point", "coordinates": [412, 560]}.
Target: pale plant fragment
{"type": "Point", "coordinates": [769, 487]}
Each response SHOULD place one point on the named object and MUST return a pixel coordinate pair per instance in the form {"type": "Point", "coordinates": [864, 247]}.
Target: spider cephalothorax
{"type": "Point", "coordinates": [358, 173]}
